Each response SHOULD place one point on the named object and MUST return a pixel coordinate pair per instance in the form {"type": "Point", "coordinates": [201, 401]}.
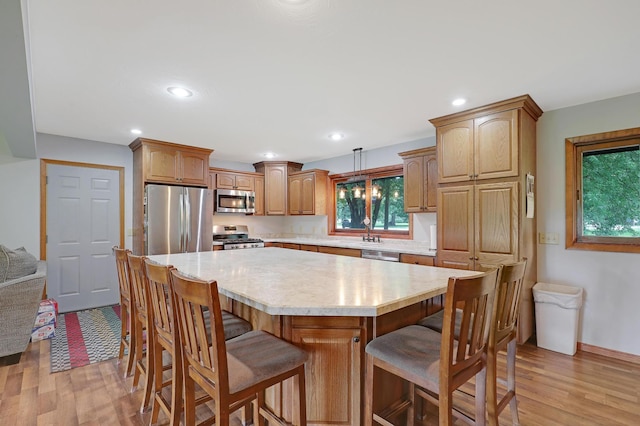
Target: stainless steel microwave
{"type": "Point", "coordinates": [234, 201]}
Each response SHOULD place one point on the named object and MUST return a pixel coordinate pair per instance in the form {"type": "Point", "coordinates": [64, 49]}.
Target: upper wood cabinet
{"type": "Point", "coordinates": [276, 174]}
{"type": "Point", "coordinates": [308, 192]}
{"type": "Point", "coordinates": [420, 170]}
{"type": "Point", "coordinates": [164, 162]}
{"type": "Point", "coordinates": [231, 180]}
{"type": "Point", "coordinates": [486, 142]}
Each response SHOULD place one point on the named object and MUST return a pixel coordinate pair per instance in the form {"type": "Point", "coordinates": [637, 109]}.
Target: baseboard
{"type": "Point", "coordinates": [622, 356]}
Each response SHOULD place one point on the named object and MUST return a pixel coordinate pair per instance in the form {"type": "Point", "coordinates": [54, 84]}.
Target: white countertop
{"type": "Point", "coordinates": [291, 282]}
{"type": "Point", "coordinates": [393, 245]}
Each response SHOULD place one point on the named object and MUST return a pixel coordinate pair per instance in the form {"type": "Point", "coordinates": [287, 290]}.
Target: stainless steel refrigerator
{"type": "Point", "coordinates": [177, 219]}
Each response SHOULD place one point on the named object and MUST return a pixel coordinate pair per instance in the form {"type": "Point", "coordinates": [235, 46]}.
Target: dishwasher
{"type": "Point", "coordinates": [388, 256]}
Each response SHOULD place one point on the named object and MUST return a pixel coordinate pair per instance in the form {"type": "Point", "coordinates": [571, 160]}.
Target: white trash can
{"type": "Point", "coordinates": [557, 316]}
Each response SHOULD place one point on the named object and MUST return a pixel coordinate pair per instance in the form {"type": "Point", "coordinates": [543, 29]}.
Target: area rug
{"type": "Point", "coordinates": [85, 337]}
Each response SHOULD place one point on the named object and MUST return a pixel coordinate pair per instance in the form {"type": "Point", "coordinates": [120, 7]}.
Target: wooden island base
{"type": "Point", "coordinates": [335, 370]}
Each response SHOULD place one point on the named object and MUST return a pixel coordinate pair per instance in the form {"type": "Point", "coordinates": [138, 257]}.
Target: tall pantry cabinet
{"type": "Point", "coordinates": [484, 156]}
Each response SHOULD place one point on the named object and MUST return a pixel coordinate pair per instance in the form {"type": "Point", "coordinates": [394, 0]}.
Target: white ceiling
{"type": "Point", "coordinates": [280, 75]}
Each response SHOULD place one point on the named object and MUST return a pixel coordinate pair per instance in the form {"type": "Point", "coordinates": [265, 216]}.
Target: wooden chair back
{"type": "Point", "coordinates": [204, 347]}
{"type": "Point", "coordinates": [122, 266]}
{"type": "Point", "coordinates": [508, 296]}
{"type": "Point", "coordinates": [474, 297]}
{"type": "Point", "coordinates": [159, 281]}
{"type": "Point", "coordinates": [139, 286]}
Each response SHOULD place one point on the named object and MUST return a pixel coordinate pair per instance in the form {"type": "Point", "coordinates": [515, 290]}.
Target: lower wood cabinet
{"type": "Point", "coordinates": [291, 246]}
{"type": "Point", "coordinates": [341, 251]}
{"type": "Point", "coordinates": [334, 363]}
{"type": "Point", "coordinates": [417, 259]}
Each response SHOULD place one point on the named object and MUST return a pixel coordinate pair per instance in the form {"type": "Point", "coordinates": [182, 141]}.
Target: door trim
{"type": "Point", "coordinates": [43, 198]}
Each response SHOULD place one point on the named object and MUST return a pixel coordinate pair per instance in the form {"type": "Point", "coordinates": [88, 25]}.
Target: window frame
{"type": "Point", "coordinates": [375, 173]}
{"type": "Point", "coordinates": [574, 147]}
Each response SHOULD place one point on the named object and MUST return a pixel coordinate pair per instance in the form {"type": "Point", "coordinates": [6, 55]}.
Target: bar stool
{"type": "Point", "coordinates": [502, 336]}
{"type": "Point", "coordinates": [435, 364]}
{"type": "Point", "coordinates": [166, 336]}
{"type": "Point", "coordinates": [127, 310]}
{"type": "Point", "coordinates": [142, 323]}
{"type": "Point", "coordinates": [233, 372]}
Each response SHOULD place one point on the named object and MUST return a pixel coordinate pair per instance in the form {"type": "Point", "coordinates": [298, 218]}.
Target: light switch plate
{"type": "Point", "coordinates": [548, 238]}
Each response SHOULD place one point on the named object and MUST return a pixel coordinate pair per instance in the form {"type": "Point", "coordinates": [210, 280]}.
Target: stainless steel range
{"type": "Point", "coordinates": [235, 237]}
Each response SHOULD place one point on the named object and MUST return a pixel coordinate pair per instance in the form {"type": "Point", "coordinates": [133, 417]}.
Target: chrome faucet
{"type": "Point", "coordinates": [369, 238]}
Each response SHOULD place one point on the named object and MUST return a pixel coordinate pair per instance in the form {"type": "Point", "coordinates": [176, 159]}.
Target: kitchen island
{"type": "Point", "coordinates": [327, 304]}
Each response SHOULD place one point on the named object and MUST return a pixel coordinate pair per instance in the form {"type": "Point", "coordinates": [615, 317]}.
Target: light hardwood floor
{"type": "Point", "coordinates": [553, 389]}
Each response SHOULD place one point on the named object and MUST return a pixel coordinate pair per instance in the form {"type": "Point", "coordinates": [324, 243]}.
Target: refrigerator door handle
{"type": "Point", "coordinates": [182, 221]}
{"type": "Point", "coordinates": [186, 221]}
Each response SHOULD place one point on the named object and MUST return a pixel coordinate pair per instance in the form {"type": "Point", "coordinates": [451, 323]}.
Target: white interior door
{"type": "Point", "coordinates": [83, 224]}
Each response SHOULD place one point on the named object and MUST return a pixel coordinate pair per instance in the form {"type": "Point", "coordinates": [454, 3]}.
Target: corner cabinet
{"type": "Point", "coordinates": [308, 192]}
{"type": "Point", "coordinates": [420, 170]}
{"type": "Point", "coordinates": [276, 174]}
{"type": "Point", "coordinates": [164, 162]}
{"type": "Point", "coordinates": [483, 156]}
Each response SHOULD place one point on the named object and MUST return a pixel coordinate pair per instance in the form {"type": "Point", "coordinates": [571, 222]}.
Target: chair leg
{"type": "Point", "coordinates": [189, 399]}
{"type": "Point", "coordinates": [133, 337]}
{"type": "Point", "coordinates": [157, 388]}
{"type": "Point", "coordinates": [259, 403]}
{"type": "Point", "coordinates": [412, 403]}
{"type": "Point", "coordinates": [481, 397]}
{"type": "Point", "coordinates": [368, 392]}
{"type": "Point", "coordinates": [176, 386]}
{"type": "Point", "coordinates": [137, 351]}
{"type": "Point", "coordinates": [302, 396]}
{"type": "Point", "coordinates": [150, 369]}
{"type": "Point", "coordinates": [511, 381]}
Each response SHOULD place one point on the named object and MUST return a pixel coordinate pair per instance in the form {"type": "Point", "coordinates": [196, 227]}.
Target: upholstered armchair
{"type": "Point", "coordinates": [19, 302]}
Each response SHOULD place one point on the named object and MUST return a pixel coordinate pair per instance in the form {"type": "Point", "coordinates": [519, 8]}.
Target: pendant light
{"type": "Point", "coordinates": [357, 191]}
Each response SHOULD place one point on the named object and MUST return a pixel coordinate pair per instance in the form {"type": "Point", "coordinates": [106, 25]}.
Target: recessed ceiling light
{"type": "Point", "coordinates": [136, 131]}
{"type": "Point", "coordinates": [180, 92]}
{"type": "Point", "coordinates": [269, 155]}
{"type": "Point", "coordinates": [459, 101]}
{"type": "Point", "coordinates": [335, 136]}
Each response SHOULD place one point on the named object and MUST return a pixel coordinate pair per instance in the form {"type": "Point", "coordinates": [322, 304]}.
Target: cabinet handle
{"type": "Point", "coordinates": [356, 340]}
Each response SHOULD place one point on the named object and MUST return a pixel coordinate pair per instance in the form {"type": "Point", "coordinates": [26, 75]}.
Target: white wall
{"type": "Point", "coordinates": [20, 205]}
{"type": "Point", "coordinates": [611, 281]}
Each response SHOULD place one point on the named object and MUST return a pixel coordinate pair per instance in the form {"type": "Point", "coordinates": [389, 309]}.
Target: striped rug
{"type": "Point", "coordinates": [85, 337]}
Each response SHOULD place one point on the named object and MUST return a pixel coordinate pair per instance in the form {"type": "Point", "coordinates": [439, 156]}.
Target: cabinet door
{"type": "Point", "coordinates": [496, 145]}
{"type": "Point", "coordinates": [496, 223]}
{"type": "Point", "coordinates": [225, 180]}
{"type": "Point", "coordinates": [259, 200]}
{"type": "Point", "coordinates": [294, 188]}
{"type": "Point", "coordinates": [430, 197]}
{"type": "Point", "coordinates": [163, 165]}
{"type": "Point", "coordinates": [413, 171]}
{"type": "Point", "coordinates": [455, 227]}
{"type": "Point", "coordinates": [275, 181]}
{"type": "Point", "coordinates": [334, 363]}
{"type": "Point", "coordinates": [194, 168]}
{"type": "Point", "coordinates": [308, 194]}
{"type": "Point", "coordinates": [245, 183]}
{"type": "Point", "coordinates": [455, 152]}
